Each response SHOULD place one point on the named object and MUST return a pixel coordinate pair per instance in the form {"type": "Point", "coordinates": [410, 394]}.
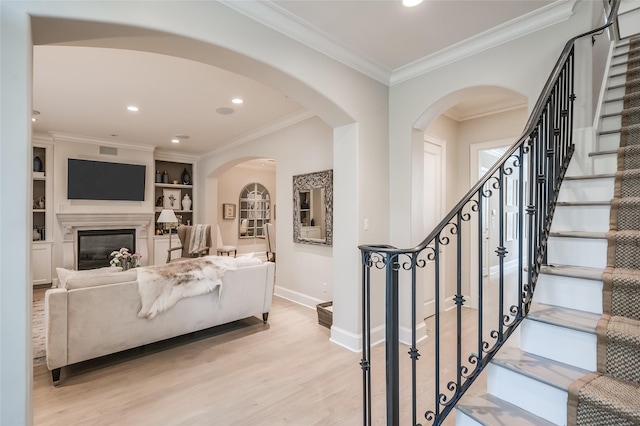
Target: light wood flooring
{"type": "Point", "coordinates": [245, 373]}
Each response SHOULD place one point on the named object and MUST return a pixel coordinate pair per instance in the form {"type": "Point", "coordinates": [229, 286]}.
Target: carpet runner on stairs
{"type": "Point", "coordinates": [611, 396]}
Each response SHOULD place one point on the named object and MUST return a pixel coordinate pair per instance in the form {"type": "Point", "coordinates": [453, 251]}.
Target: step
{"type": "Point", "coordinates": [604, 162]}
{"type": "Point", "coordinates": [536, 384]}
{"type": "Point", "coordinates": [587, 216]}
{"type": "Point", "coordinates": [615, 92]}
{"type": "Point", "coordinates": [587, 188]}
{"type": "Point", "coordinates": [559, 284]}
{"type": "Point", "coordinates": [488, 410]}
{"type": "Point", "coordinates": [610, 122]}
{"type": "Point", "coordinates": [617, 78]}
{"type": "Point", "coordinates": [588, 249]}
{"type": "Point", "coordinates": [613, 106]}
{"type": "Point", "coordinates": [561, 334]}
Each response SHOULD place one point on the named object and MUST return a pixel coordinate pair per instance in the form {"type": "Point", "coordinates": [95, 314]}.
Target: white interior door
{"type": "Point", "coordinates": [433, 198]}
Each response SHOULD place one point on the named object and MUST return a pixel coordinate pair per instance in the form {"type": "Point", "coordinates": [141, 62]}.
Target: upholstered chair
{"type": "Point", "coordinates": [270, 238]}
{"type": "Point", "coordinates": [195, 241]}
{"type": "Point", "coordinates": [225, 249]}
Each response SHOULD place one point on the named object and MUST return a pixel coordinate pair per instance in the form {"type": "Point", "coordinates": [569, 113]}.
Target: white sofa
{"type": "Point", "coordinates": [96, 313]}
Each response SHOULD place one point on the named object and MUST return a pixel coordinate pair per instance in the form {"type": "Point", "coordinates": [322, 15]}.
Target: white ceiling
{"type": "Point", "coordinates": [85, 90]}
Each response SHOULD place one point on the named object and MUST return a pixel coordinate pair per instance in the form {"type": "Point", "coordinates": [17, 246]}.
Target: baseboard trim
{"type": "Point", "coordinates": [296, 297]}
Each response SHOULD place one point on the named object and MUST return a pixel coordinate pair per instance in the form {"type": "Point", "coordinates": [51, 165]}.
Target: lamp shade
{"type": "Point", "coordinates": [167, 216]}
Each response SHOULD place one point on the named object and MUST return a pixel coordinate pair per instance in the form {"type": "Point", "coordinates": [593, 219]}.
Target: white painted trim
{"type": "Point", "coordinates": [68, 137]}
{"type": "Point", "coordinates": [603, 86]}
{"type": "Point", "coordinates": [296, 297]}
{"type": "Point", "coordinates": [289, 120]}
{"type": "Point", "coordinates": [547, 16]}
{"type": "Point", "coordinates": [404, 336]}
{"type": "Point", "coordinates": [273, 16]}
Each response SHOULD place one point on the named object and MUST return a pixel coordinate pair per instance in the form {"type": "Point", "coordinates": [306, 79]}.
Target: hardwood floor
{"type": "Point", "coordinates": [246, 373]}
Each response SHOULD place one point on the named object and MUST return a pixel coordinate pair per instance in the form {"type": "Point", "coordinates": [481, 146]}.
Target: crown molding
{"type": "Point", "coordinates": [289, 120]}
{"type": "Point", "coordinates": [273, 16]}
{"type": "Point", "coordinates": [547, 16]}
{"type": "Point", "coordinates": [68, 137]}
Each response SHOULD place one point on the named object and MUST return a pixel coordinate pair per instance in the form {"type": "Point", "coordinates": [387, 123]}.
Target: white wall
{"type": "Point", "coordinates": [230, 184]}
{"type": "Point", "coordinates": [304, 147]}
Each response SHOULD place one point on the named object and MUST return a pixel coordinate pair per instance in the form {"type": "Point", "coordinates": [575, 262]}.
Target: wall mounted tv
{"type": "Point", "coordinates": [99, 180]}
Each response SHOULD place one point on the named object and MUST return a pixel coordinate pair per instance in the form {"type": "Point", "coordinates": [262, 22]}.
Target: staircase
{"type": "Point", "coordinates": [529, 384]}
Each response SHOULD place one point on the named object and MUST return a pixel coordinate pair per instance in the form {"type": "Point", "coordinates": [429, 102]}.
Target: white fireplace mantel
{"type": "Point", "coordinates": [71, 223]}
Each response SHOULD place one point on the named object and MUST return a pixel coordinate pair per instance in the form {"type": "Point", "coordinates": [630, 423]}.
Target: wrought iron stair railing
{"type": "Point", "coordinates": [522, 188]}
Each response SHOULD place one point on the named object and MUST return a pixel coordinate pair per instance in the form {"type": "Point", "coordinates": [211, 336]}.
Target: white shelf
{"type": "Point", "coordinates": [173, 185]}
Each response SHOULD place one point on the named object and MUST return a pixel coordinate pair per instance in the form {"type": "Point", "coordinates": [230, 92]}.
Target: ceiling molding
{"type": "Point", "coordinates": [98, 141]}
{"type": "Point", "coordinates": [551, 14]}
{"type": "Point", "coordinates": [460, 118]}
{"type": "Point", "coordinates": [275, 17]}
{"type": "Point", "coordinates": [289, 120]}
{"type": "Point", "coordinates": [281, 20]}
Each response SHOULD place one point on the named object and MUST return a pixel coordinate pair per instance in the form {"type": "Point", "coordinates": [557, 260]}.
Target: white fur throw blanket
{"type": "Point", "coordinates": [161, 286]}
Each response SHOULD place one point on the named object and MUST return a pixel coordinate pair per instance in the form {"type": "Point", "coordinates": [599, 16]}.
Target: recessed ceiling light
{"type": "Point", "coordinates": [133, 108]}
{"type": "Point", "coordinates": [237, 101]}
{"type": "Point", "coordinates": [34, 113]}
{"type": "Point", "coordinates": [411, 3]}
{"type": "Point", "coordinates": [224, 110]}
{"type": "Point", "coordinates": [175, 140]}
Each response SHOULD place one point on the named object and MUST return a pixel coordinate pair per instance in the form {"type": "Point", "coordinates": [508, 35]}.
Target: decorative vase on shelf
{"type": "Point", "coordinates": [186, 202]}
{"type": "Point", "coordinates": [165, 177]}
{"type": "Point", "coordinates": [186, 177]}
{"type": "Point", "coordinates": [37, 164]}
{"type": "Point", "coordinates": [158, 176]}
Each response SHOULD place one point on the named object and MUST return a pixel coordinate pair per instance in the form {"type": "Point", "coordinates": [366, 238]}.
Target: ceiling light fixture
{"type": "Point", "coordinates": [224, 110]}
{"type": "Point", "coordinates": [34, 114]}
{"type": "Point", "coordinates": [133, 108]}
{"type": "Point", "coordinates": [237, 101]}
{"type": "Point", "coordinates": [411, 3]}
{"type": "Point", "coordinates": [179, 138]}
{"type": "Point", "coordinates": [175, 140]}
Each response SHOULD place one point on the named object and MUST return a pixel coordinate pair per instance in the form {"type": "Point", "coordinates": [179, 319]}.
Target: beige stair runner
{"type": "Point", "coordinates": [611, 396]}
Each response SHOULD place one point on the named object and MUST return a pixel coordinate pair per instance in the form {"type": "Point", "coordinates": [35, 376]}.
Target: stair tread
{"type": "Point", "coordinates": [609, 152]}
{"type": "Point", "coordinates": [491, 410]}
{"type": "Point", "coordinates": [583, 203]}
{"type": "Point", "coordinates": [579, 234]}
{"type": "Point", "coordinates": [573, 271]}
{"type": "Point", "coordinates": [565, 317]}
{"type": "Point", "coordinates": [545, 370]}
{"type": "Point", "coordinates": [598, 176]}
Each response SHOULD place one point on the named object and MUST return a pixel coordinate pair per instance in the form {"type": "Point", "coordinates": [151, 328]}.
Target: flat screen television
{"type": "Point", "coordinates": [100, 180]}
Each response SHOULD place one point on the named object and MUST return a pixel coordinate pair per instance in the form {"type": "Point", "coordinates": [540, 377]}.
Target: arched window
{"type": "Point", "coordinates": [255, 210]}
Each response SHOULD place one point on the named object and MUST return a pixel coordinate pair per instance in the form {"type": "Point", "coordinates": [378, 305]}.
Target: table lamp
{"type": "Point", "coordinates": [169, 217]}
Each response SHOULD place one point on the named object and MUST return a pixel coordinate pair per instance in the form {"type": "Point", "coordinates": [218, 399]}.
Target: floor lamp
{"type": "Point", "coordinates": [169, 217]}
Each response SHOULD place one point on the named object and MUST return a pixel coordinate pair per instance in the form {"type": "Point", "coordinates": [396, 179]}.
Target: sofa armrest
{"type": "Point", "coordinates": [55, 313]}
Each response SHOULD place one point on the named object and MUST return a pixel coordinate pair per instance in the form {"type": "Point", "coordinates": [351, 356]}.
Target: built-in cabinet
{"type": "Point", "coordinates": [255, 210]}
{"type": "Point", "coordinates": [174, 189]}
{"type": "Point", "coordinates": [41, 212]}
{"type": "Point", "coordinates": [161, 247]}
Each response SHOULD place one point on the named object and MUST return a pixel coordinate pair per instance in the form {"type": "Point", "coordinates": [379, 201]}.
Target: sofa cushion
{"type": "Point", "coordinates": [71, 279]}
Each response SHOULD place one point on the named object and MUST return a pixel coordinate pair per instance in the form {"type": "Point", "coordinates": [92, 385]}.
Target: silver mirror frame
{"type": "Point", "coordinates": [311, 181]}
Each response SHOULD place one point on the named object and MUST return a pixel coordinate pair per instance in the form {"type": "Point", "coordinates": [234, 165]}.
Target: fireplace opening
{"type": "Point", "coordinates": [95, 246]}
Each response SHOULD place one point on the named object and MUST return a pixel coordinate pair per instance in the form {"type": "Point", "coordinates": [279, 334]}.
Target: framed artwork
{"type": "Point", "coordinates": [228, 211]}
{"type": "Point", "coordinates": [171, 198]}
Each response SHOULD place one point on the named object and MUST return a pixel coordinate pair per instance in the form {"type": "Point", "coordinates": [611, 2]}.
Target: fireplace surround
{"type": "Point", "coordinates": [72, 223]}
{"type": "Point", "coordinates": [95, 246]}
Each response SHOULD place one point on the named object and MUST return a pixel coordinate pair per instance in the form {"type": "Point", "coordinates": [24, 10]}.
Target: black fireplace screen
{"type": "Point", "coordinates": [95, 246]}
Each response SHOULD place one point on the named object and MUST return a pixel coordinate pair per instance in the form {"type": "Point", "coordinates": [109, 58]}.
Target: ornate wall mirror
{"type": "Point", "coordinates": [313, 208]}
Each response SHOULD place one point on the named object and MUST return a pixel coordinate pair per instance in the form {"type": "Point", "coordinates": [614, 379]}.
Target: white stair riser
{"type": "Point", "coordinates": [612, 107]}
{"type": "Point", "coordinates": [608, 142]}
{"type": "Point", "coordinates": [605, 164]}
{"type": "Point", "coordinates": [587, 252]}
{"type": "Point", "coordinates": [628, 23]}
{"type": "Point", "coordinates": [611, 123]}
{"type": "Point", "coordinates": [615, 93]}
{"type": "Point", "coordinates": [463, 420]}
{"type": "Point", "coordinates": [560, 344]}
{"type": "Point", "coordinates": [618, 79]}
{"type": "Point", "coordinates": [600, 189]}
{"type": "Point", "coordinates": [568, 292]}
{"type": "Point", "coordinates": [581, 218]}
{"type": "Point", "coordinates": [543, 400]}
{"type": "Point", "coordinates": [619, 65]}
